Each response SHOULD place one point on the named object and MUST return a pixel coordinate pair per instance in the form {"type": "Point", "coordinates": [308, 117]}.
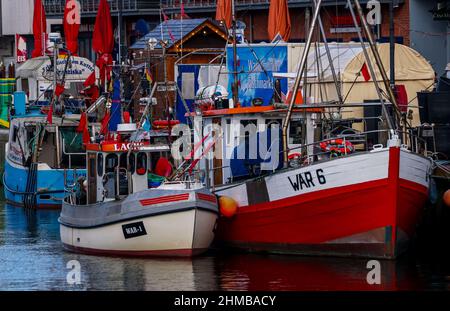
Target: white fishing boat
{"type": "Point", "coordinates": [117, 213]}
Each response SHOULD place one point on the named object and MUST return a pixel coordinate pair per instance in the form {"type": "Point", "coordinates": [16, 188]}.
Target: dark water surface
{"type": "Point", "coordinates": [32, 258]}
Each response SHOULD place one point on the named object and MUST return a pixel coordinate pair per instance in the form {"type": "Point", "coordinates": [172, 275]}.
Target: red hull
{"type": "Point", "coordinates": [371, 219]}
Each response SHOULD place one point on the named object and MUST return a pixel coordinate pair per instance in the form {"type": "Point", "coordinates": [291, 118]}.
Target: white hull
{"type": "Point", "coordinates": [183, 233]}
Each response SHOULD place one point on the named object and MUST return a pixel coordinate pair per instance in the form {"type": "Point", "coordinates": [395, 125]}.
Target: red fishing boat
{"type": "Point", "coordinates": [352, 203]}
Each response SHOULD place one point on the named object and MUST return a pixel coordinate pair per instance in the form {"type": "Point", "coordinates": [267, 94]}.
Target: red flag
{"type": "Point", "coordinates": [86, 136]}
{"type": "Point", "coordinates": [365, 72]}
{"type": "Point", "coordinates": [279, 20]}
{"type": "Point", "coordinates": [105, 123]}
{"type": "Point", "coordinates": [103, 39]}
{"type": "Point", "coordinates": [39, 29]}
{"type": "Point", "coordinates": [72, 21]}
{"type": "Point", "coordinates": [402, 97]}
{"type": "Point", "coordinates": [90, 81]}
{"type": "Point", "coordinates": [93, 92]}
{"type": "Point", "coordinates": [59, 89]}
{"type": "Point", "coordinates": [50, 115]}
{"type": "Point", "coordinates": [223, 12]}
{"type": "Point", "coordinates": [126, 117]}
{"type": "Point", "coordinates": [83, 123]}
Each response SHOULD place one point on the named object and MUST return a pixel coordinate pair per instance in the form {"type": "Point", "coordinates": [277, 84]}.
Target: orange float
{"type": "Point", "coordinates": [446, 197]}
{"type": "Point", "coordinates": [227, 206]}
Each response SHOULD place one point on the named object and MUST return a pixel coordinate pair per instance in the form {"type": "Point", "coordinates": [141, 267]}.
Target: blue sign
{"type": "Point", "coordinates": [255, 67]}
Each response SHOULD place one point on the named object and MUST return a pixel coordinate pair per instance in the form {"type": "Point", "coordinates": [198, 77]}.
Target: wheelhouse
{"type": "Point", "coordinates": [248, 141]}
{"type": "Point", "coordinates": [115, 170]}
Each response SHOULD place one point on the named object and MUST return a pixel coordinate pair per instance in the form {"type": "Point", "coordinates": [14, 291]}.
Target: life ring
{"type": "Point", "coordinates": [295, 155]}
{"type": "Point", "coordinates": [337, 146]}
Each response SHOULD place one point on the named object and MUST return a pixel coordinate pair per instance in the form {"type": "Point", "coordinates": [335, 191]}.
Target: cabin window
{"type": "Point", "coordinates": [123, 161]}
{"type": "Point", "coordinates": [15, 133]}
{"type": "Point", "coordinates": [111, 163]}
{"type": "Point", "coordinates": [295, 132]}
{"type": "Point", "coordinates": [132, 163]}
{"type": "Point", "coordinates": [100, 164]}
{"type": "Point", "coordinates": [141, 167]}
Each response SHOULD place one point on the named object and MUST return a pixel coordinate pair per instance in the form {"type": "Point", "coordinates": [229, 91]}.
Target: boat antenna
{"type": "Point", "coordinates": [235, 86]}
{"type": "Point", "coordinates": [300, 72]}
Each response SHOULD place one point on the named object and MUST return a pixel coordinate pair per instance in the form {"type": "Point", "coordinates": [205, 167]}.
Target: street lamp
{"type": "Point", "coordinates": [152, 42]}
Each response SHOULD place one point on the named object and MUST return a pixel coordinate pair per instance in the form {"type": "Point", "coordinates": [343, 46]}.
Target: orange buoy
{"type": "Point", "coordinates": [227, 206]}
{"type": "Point", "coordinates": [446, 197]}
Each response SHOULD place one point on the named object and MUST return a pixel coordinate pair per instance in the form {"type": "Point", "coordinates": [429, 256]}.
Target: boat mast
{"type": "Point", "coordinates": [235, 86]}
{"type": "Point", "coordinates": [298, 78]}
{"type": "Point", "coordinates": [119, 26]}
{"type": "Point", "coordinates": [379, 63]}
{"type": "Point", "coordinates": [392, 44]}
{"type": "Point", "coordinates": [370, 67]}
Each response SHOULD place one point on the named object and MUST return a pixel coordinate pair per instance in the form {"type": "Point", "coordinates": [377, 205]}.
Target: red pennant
{"type": "Point", "coordinates": [93, 92]}
{"type": "Point", "coordinates": [59, 90]}
{"type": "Point", "coordinates": [365, 72]}
{"type": "Point", "coordinates": [126, 117]}
{"type": "Point", "coordinates": [83, 123]}
{"type": "Point", "coordinates": [50, 115]}
{"type": "Point", "coordinates": [86, 136]}
{"type": "Point", "coordinates": [105, 123]}
{"type": "Point", "coordinates": [90, 80]}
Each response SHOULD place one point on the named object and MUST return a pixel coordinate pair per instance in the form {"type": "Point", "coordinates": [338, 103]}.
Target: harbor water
{"type": "Point", "coordinates": [32, 258]}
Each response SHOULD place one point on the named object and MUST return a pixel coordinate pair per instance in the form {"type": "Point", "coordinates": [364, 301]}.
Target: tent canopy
{"type": "Point", "coordinates": [409, 64]}
{"type": "Point", "coordinates": [39, 68]}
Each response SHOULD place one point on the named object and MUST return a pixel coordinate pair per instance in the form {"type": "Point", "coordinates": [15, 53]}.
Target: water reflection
{"type": "Point", "coordinates": [32, 259]}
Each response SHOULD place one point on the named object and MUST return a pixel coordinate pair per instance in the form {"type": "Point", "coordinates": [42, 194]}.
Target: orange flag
{"type": "Point", "coordinates": [279, 20]}
{"type": "Point", "coordinates": [223, 12]}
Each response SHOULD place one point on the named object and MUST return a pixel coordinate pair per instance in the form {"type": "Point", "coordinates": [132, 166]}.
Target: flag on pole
{"type": "Point", "coordinates": [148, 75]}
{"type": "Point", "coordinates": [365, 72]}
{"type": "Point", "coordinates": [146, 126]}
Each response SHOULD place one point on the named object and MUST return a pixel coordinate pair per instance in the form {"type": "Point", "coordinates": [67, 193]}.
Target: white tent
{"type": "Point", "coordinates": [411, 70]}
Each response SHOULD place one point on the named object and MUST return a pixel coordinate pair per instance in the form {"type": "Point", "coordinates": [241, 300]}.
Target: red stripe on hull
{"type": "Point", "coordinates": [310, 222]}
{"type": "Point", "coordinates": [206, 197]}
{"type": "Point", "coordinates": [154, 253]}
{"type": "Point", "coordinates": [166, 199]}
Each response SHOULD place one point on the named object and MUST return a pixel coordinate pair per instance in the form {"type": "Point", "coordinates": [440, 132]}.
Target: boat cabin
{"type": "Point", "coordinates": [117, 169]}
{"type": "Point", "coordinates": [243, 142]}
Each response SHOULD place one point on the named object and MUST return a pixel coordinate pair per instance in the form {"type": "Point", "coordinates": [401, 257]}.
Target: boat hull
{"type": "Point", "coordinates": [364, 205]}
{"type": "Point", "coordinates": [155, 223]}
{"type": "Point", "coordinates": [49, 185]}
